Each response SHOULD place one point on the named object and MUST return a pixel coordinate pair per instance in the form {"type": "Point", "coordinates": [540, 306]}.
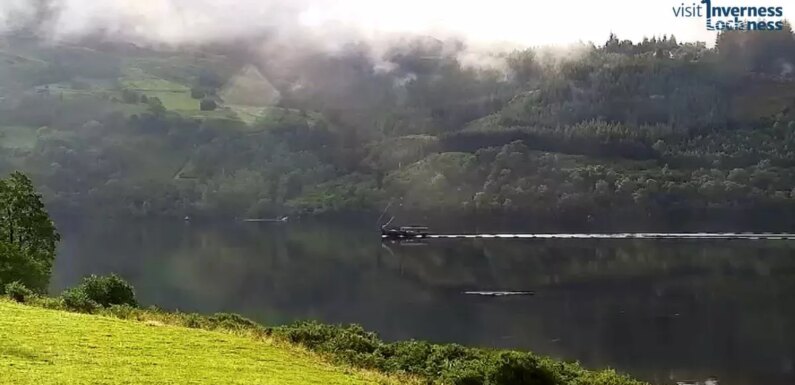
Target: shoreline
{"type": "Point", "coordinates": [353, 347]}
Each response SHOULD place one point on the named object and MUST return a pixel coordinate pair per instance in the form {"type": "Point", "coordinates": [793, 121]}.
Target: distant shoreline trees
{"type": "Point", "coordinates": [620, 130]}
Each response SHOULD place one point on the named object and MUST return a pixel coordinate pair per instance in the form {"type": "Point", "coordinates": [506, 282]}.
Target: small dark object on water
{"type": "Point", "coordinates": [404, 232]}
{"type": "Point", "coordinates": [267, 220]}
{"type": "Point", "coordinates": [499, 293]}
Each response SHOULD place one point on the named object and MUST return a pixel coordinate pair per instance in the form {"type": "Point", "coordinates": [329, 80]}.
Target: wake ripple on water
{"type": "Point", "coordinates": [765, 236]}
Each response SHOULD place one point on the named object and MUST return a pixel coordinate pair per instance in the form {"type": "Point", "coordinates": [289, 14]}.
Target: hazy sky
{"type": "Point", "coordinates": [531, 22]}
{"type": "Point", "coordinates": [526, 22]}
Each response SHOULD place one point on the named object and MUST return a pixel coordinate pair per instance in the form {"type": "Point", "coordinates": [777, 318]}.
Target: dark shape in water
{"type": "Point", "coordinates": [404, 232]}
{"type": "Point", "coordinates": [266, 220]}
{"type": "Point", "coordinates": [499, 293]}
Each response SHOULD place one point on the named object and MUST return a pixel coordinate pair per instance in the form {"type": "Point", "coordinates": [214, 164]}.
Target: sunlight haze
{"type": "Point", "coordinates": [499, 21]}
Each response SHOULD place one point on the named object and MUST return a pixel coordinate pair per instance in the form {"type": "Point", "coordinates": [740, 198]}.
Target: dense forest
{"type": "Point", "coordinates": [630, 132]}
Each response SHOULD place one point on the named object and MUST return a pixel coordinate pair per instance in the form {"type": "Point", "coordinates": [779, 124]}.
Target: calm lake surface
{"type": "Point", "coordinates": [661, 310]}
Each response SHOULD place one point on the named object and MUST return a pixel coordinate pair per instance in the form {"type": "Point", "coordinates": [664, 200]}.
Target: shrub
{"type": "Point", "coordinates": [464, 373]}
{"type": "Point", "coordinates": [18, 291]}
{"type": "Point", "coordinates": [123, 311]}
{"type": "Point", "coordinates": [516, 368]}
{"type": "Point", "coordinates": [156, 106]}
{"type": "Point", "coordinates": [97, 291]}
{"type": "Point", "coordinates": [197, 93]}
{"type": "Point", "coordinates": [208, 105]}
{"type": "Point", "coordinates": [410, 357]}
{"type": "Point", "coordinates": [442, 356]}
{"type": "Point", "coordinates": [193, 320]}
{"type": "Point", "coordinates": [107, 291]}
{"type": "Point", "coordinates": [54, 303]}
{"type": "Point", "coordinates": [448, 364]}
{"type": "Point", "coordinates": [77, 300]}
{"type": "Point", "coordinates": [330, 338]}
{"type": "Point", "coordinates": [129, 96]}
{"type": "Point", "coordinates": [232, 322]}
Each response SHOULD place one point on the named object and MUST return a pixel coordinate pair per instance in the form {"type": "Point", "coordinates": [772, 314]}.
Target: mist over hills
{"type": "Point", "coordinates": [264, 124]}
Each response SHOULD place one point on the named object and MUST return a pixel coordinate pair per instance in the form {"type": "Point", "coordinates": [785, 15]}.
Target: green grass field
{"type": "Point", "coordinates": [17, 137]}
{"type": "Point", "coordinates": [248, 114]}
{"type": "Point", "coordinates": [41, 347]}
{"type": "Point", "coordinates": [175, 96]}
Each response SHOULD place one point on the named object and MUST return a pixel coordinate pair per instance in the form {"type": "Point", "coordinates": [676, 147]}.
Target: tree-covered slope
{"type": "Point", "coordinates": [626, 130]}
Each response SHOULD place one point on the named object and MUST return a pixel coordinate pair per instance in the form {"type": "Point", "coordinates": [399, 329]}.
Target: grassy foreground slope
{"type": "Point", "coordinates": [40, 346]}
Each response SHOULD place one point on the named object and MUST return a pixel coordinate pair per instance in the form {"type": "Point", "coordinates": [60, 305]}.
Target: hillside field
{"type": "Point", "coordinates": [39, 346]}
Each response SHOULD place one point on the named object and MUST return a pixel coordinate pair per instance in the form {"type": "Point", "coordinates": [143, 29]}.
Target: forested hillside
{"type": "Point", "coordinates": [597, 134]}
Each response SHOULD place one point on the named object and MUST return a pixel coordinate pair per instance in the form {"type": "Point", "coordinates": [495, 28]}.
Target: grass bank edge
{"type": "Point", "coordinates": [158, 320]}
{"type": "Point", "coordinates": [351, 347]}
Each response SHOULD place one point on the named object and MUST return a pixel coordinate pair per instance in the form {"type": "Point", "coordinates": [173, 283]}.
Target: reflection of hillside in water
{"type": "Point", "coordinates": [654, 308]}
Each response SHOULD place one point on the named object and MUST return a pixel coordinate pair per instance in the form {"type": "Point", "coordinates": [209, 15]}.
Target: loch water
{"type": "Point", "coordinates": [663, 310]}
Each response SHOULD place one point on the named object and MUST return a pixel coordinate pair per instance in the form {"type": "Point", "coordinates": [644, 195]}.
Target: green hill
{"type": "Point", "coordinates": [39, 346]}
{"type": "Point", "coordinates": [627, 132]}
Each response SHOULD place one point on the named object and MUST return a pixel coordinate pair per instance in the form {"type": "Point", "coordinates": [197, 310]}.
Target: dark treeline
{"type": "Point", "coordinates": [635, 130]}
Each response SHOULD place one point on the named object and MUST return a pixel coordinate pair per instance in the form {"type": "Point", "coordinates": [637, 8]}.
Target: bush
{"type": "Point", "coordinates": [449, 364]}
{"type": "Point", "coordinates": [129, 96]}
{"type": "Point", "coordinates": [77, 300]}
{"type": "Point", "coordinates": [18, 291]}
{"type": "Point", "coordinates": [443, 355]}
{"type": "Point", "coordinates": [464, 373]}
{"type": "Point", "coordinates": [123, 311]}
{"type": "Point", "coordinates": [107, 291]}
{"type": "Point", "coordinates": [208, 105]}
{"type": "Point", "coordinates": [516, 368]}
{"type": "Point", "coordinates": [197, 93]}
{"type": "Point", "coordinates": [193, 321]}
{"type": "Point", "coordinates": [156, 106]}
{"type": "Point", "coordinates": [232, 322]}
{"type": "Point", "coordinates": [330, 338]}
{"type": "Point", "coordinates": [18, 265]}
{"type": "Point", "coordinates": [411, 357]}
{"type": "Point", "coordinates": [53, 303]}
